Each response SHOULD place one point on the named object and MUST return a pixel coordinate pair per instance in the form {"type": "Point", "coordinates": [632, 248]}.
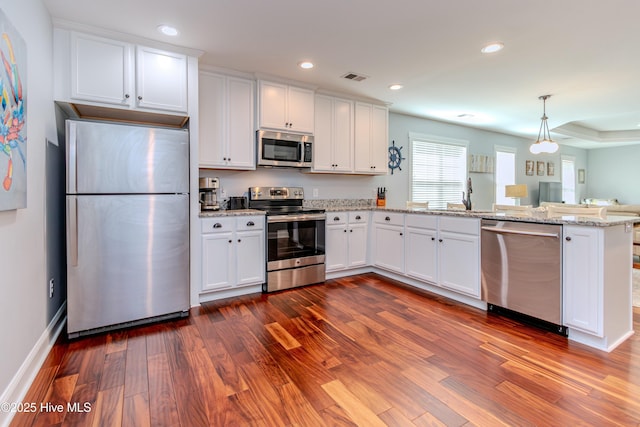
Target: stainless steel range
{"type": "Point", "coordinates": [295, 237]}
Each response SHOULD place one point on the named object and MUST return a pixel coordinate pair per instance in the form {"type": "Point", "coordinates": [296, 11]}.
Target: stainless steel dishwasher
{"type": "Point", "coordinates": [522, 270]}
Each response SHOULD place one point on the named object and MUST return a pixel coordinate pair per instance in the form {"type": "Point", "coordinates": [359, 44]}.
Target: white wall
{"type": "Point", "coordinates": [614, 173]}
{"type": "Point", "coordinates": [329, 186]}
{"type": "Point", "coordinates": [23, 288]}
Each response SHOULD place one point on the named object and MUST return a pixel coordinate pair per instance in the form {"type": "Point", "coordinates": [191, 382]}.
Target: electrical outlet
{"type": "Point", "coordinates": [51, 286]}
{"type": "Point", "coordinates": [315, 192]}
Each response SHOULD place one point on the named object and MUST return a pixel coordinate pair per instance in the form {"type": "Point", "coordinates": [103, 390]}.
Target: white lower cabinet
{"type": "Point", "coordinates": [233, 252]}
{"type": "Point", "coordinates": [597, 282]}
{"type": "Point", "coordinates": [346, 240]}
{"type": "Point", "coordinates": [421, 246]}
{"type": "Point", "coordinates": [582, 285]}
{"type": "Point", "coordinates": [388, 241]}
{"type": "Point", "coordinates": [444, 251]}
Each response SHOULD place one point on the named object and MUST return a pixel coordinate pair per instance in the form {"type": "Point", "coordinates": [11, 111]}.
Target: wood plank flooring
{"type": "Point", "coordinates": [360, 351]}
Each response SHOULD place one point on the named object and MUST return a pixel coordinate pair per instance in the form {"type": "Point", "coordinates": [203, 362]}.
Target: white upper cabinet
{"type": "Point", "coordinates": [285, 107]}
{"type": "Point", "coordinates": [227, 138]}
{"type": "Point", "coordinates": [333, 135]}
{"type": "Point", "coordinates": [107, 72]}
{"type": "Point", "coordinates": [161, 80]}
{"type": "Point", "coordinates": [371, 134]}
{"type": "Point", "coordinates": [100, 69]}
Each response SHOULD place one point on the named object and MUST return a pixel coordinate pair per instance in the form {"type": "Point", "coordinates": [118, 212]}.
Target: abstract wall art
{"type": "Point", "coordinates": [13, 118]}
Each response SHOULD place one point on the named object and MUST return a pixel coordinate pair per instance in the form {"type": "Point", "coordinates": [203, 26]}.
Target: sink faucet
{"type": "Point", "coordinates": [466, 200]}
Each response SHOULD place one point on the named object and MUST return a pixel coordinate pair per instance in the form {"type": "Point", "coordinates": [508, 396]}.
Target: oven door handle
{"type": "Point", "coordinates": [291, 218]}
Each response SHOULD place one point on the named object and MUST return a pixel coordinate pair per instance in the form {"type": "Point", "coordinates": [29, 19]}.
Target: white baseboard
{"type": "Point", "coordinates": [22, 380]}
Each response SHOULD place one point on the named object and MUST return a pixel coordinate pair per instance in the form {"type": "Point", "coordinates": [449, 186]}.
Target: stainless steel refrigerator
{"type": "Point", "coordinates": [127, 225]}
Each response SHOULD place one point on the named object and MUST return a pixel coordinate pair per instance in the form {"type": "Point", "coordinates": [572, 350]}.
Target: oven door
{"type": "Point", "coordinates": [294, 241]}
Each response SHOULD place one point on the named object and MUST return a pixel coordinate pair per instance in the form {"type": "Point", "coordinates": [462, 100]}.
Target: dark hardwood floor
{"type": "Point", "coordinates": [360, 351]}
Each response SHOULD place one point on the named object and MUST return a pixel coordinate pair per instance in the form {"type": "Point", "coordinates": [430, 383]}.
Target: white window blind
{"type": "Point", "coordinates": [505, 174]}
{"type": "Point", "coordinates": [438, 172]}
{"type": "Point", "coordinates": [568, 179]}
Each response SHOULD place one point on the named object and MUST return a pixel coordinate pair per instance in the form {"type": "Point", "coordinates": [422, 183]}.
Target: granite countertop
{"type": "Point", "coordinates": [350, 205]}
{"type": "Point", "coordinates": [230, 212]}
{"type": "Point", "coordinates": [346, 205]}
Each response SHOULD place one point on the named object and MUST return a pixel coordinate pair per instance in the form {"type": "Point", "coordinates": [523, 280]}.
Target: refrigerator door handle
{"type": "Point", "coordinates": [72, 230]}
{"type": "Point", "coordinates": [72, 157]}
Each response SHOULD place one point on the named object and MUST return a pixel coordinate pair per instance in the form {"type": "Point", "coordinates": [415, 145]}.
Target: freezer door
{"type": "Point", "coordinates": [128, 258]}
{"type": "Point", "coordinates": [104, 158]}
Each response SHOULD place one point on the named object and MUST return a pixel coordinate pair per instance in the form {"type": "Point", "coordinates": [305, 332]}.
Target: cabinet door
{"type": "Point", "coordinates": [161, 80]}
{"type": "Point", "coordinates": [273, 105]}
{"type": "Point", "coordinates": [250, 257]}
{"type": "Point", "coordinates": [357, 245]}
{"type": "Point", "coordinates": [343, 135]}
{"type": "Point", "coordinates": [379, 139]}
{"type": "Point", "coordinates": [459, 262]}
{"type": "Point", "coordinates": [240, 134]}
{"type": "Point", "coordinates": [323, 135]}
{"type": "Point", "coordinates": [389, 247]}
{"type": "Point", "coordinates": [363, 113]}
{"type": "Point", "coordinates": [582, 290]}
{"type": "Point", "coordinates": [217, 261]}
{"type": "Point", "coordinates": [337, 246]}
{"type": "Point", "coordinates": [300, 109]}
{"type": "Point", "coordinates": [101, 70]}
{"type": "Point", "coordinates": [371, 134]}
{"type": "Point", "coordinates": [212, 111]}
{"type": "Point", "coordinates": [421, 253]}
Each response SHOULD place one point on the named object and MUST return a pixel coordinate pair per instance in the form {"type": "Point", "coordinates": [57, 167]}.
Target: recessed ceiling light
{"type": "Point", "coordinates": [395, 86]}
{"type": "Point", "coordinates": [168, 30]}
{"type": "Point", "coordinates": [306, 65]}
{"type": "Point", "coordinates": [492, 47]}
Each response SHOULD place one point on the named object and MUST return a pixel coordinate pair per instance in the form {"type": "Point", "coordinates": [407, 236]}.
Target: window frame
{"type": "Point", "coordinates": [571, 159]}
{"type": "Point", "coordinates": [510, 150]}
{"type": "Point", "coordinates": [435, 139]}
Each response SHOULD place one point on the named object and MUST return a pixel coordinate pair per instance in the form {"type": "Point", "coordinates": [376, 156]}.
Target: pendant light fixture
{"type": "Point", "coordinates": [544, 143]}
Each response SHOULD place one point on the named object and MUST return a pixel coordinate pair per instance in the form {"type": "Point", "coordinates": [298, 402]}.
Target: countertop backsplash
{"type": "Point", "coordinates": [339, 203]}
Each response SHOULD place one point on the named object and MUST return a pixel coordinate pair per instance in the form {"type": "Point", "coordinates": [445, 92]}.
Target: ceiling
{"type": "Point", "coordinates": [582, 52]}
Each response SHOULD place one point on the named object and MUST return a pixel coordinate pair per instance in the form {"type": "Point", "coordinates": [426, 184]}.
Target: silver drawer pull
{"type": "Point", "coordinates": [358, 217]}
{"type": "Point", "coordinates": [217, 225]}
{"type": "Point", "coordinates": [336, 218]}
{"type": "Point", "coordinates": [387, 219]}
{"type": "Point", "coordinates": [250, 224]}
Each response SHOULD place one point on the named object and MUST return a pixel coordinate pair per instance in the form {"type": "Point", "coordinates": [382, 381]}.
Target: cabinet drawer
{"type": "Point", "coordinates": [336, 218]}
{"type": "Point", "coordinates": [244, 223]}
{"type": "Point", "coordinates": [217, 225]}
{"type": "Point", "coordinates": [422, 221]}
{"type": "Point", "coordinates": [388, 218]}
{"type": "Point", "coordinates": [460, 225]}
{"type": "Point", "coordinates": [358, 217]}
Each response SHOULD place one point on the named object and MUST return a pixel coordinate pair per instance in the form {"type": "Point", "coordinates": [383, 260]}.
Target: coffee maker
{"type": "Point", "coordinates": [208, 194]}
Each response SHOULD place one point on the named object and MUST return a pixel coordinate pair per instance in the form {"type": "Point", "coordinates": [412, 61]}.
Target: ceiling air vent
{"type": "Point", "coordinates": [355, 77]}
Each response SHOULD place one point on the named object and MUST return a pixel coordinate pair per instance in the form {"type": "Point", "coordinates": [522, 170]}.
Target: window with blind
{"type": "Point", "coordinates": [438, 170]}
{"type": "Point", "coordinates": [505, 174]}
{"type": "Point", "coordinates": [568, 179]}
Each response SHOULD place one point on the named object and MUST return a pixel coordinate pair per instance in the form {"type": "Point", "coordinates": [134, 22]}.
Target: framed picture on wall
{"type": "Point", "coordinates": [551, 169]}
{"type": "Point", "coordinates": [581, 176]}
{"type": "Point", "coordinates": [529, 167]}
{"type": "Point", "coordinates": [540, 168]}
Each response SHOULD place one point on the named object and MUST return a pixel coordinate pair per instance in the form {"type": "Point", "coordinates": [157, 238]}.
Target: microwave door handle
{"type": "Point", "coordinates": [301, 152]}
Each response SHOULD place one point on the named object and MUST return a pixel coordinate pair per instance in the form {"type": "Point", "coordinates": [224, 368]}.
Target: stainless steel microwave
{"type": "Point", "coordinates": [284, 149]}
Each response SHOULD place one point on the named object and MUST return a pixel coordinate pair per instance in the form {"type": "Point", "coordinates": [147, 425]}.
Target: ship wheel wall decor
{"type": "Point", "coordinates": [395, 157]}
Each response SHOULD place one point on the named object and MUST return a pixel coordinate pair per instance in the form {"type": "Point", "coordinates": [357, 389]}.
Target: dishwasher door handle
{"type": "Point", "coordinates": [519, 232]}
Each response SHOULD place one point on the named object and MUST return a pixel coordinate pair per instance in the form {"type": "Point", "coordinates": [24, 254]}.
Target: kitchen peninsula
{"type": "Point", "coordinates": [407, 245]}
